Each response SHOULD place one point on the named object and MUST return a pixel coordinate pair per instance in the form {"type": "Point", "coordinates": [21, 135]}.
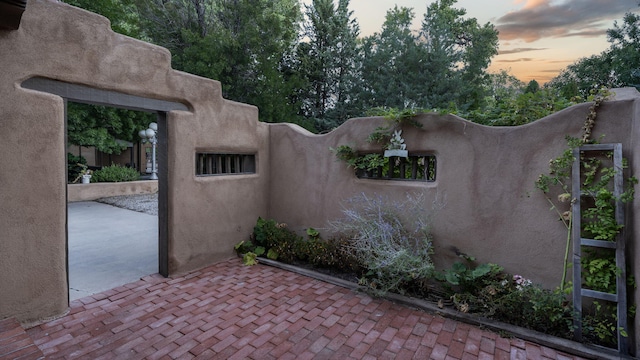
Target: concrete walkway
{"type": "Point", "coordinates": [109, 247]}
{"type": "Point", "coordinates": [230, 311]}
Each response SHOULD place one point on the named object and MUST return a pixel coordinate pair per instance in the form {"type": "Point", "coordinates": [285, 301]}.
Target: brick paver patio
{"type": "Point", "coordinates": [230, 311]}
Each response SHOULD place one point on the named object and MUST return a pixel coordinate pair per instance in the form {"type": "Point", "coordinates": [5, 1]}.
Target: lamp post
{"type": "Point", "coordinates": [149, 135]}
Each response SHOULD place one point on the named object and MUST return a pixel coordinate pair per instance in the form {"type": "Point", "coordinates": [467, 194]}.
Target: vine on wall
{"type": "Point", "coordinates": [599, 269]}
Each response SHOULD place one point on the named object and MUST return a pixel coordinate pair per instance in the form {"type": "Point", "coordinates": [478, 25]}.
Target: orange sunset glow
{"type": "Point", "coordinates": [538, 38]}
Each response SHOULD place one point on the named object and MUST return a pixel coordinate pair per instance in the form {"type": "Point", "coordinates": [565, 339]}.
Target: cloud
{"type": "Point", "coordinates": [518, 50]}
{"type": "Point", "coordinates": [515, 60]}
{"type": "Point", "coordinates": [546, 18]}
{"type": "Point", "coordinates": [589, 33]}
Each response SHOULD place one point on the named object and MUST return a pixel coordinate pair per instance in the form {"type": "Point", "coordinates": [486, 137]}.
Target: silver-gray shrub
{"type": "Point", "coordinates": [391, 239]}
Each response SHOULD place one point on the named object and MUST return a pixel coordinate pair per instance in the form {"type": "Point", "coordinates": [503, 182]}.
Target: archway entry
{"type": "Point", "coordinates": [88, 95]}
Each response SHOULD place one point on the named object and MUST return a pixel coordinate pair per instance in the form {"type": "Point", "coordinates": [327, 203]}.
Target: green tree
{"type": "Point", "coordinates": [328, 62]}
{"type": "Point", "coordinates": [518, 108]}
{"type": "Point", "coordinates": [443, 66]}
{"type": "Point", "coordinates": [625, 50]}
{"type": "Point", "coordinates": [393, 67]}
{"type": "Point", "coordinates": [102, 126]}
{"type": "Point", "coordinates": [247, 45]}
{"type": "Point", "coordinates": [532, 87]}
{"type": "Point", "coordinates": [584, 76]}
{"type": "Point", "coordinates": [122, 14]}
{"type": "Point", "coordinates": [459, 52]}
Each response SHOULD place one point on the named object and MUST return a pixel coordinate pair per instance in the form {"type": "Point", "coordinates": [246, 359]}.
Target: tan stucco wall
{"type": "Point", "coordinates": [485, 176]}
{"type": "Point", "coordinates": [485, 180]}
{"type": "Point", "coordinates": [206, 215]}
{"type": "Point", "coordinates": [93, 191]}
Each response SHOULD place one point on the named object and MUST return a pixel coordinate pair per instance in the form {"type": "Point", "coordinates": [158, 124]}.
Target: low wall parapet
{"type": "Point", "coordinates": [94, 191]}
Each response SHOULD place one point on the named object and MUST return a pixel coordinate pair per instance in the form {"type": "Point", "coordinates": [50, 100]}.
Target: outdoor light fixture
{"type": "Point", "coordinates": [149, 135]}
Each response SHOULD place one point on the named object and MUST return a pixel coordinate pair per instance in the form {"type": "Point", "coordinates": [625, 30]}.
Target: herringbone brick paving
{"type": "Point", "coordinates": [230, 311]}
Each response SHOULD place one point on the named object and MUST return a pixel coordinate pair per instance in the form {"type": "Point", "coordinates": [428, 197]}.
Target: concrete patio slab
{"type": "Point", "coordinates": [109, 247]}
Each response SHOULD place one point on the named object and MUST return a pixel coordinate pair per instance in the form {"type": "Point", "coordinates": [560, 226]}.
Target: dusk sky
{"type": "Point", "coordinates": [538, 38]}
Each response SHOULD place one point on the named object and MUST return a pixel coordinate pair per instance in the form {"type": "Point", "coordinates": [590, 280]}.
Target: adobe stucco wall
{"type": "Point", "coordinates": [206, 215]}
{"type": "Point", "coordinates": [485, 179]}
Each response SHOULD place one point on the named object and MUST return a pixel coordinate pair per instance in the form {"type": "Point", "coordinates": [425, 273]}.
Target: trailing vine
{"type": "Point", "coordinates": [395, 118]}
{"type": "Point", "coordinates": [599, 269]}
{"type": "Point", "coordinates": [388, 134]}
{"type": "Point", "coordinates": [560, 174]}
{"type": "Point", "coordinates": [598, 98]}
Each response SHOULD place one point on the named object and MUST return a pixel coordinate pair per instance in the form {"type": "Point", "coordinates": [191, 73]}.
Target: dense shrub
{"type": "Point", "coordinates": [115, 173]}
{"type": "Point", "coordinates": [275, 237]}
{"type": "Point", "coordinates": [275, 241]}
{"type": "Point", "coordinates": [391, 240]}
{"type": "Point", "coordinates": [332, 254]}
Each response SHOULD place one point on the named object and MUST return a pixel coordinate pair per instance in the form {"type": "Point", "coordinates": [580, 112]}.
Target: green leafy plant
{"type": "Point", "coordinates": [272, 254]}
{"type": "Point", "coordinates": [522, 303]}
{"type": "Point", "coordinates": [276, 238]}
{"type": "Point", "coordinates": [486, 290]}
{"type": "Point", "coordinates": [313, 234]}
{"type": "Point", "coordinates": [599, 324]}
{"type": "Point", "coordinates": [346, 153]}
{"type": "Point", "coordinates": [250, 259]}
{"type": "Point", "coordinates": [395, 119]}
{"type": "Point", "coordinates": [244, 247]}
{"type": "Point", "coordinates": [115, 173]}
{"type": "Point", "coordinates": [382, 135]}
{"type": "Point", "coordinates": [334, 253]}
{"type": "Point", "coordinates": [598, 218]}
{"type": "Point", "coordinates": [599, 270]}
{"type": "Point", "coordinates": [397, 116]}
{"type": "Point", "coordinates": [468, 278]}
{"type": "Point", "coordinates": [271, 239]}
{"type": "Point", "coordinates": [366, 162]}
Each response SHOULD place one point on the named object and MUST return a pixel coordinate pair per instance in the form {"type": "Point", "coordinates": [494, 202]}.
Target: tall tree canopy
{"type": "Point", "coordinates": [459, 52]}
{"type": "Point", "coordinates": [314, 70]}
{"type": "Point", "coordinates": [328, 60]}
{"type": "Point", "coordinates": [445, 63]}
{"type": "Point", "coordinates": [123, 14]}
{"type": "Point", "coordinates": [394, 65]}
{"type": "Point", "coordinates": [245, 44]}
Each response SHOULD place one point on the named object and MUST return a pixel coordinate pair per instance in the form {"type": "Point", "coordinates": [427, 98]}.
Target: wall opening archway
{"type": "Point", "coordinates": [88, 95]}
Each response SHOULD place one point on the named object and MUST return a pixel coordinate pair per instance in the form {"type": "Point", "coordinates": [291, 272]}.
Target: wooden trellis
{"type": "Point", "coordinates": [580, 196]}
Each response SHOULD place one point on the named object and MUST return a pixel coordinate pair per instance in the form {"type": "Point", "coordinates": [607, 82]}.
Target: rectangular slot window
{"type": "Point", "coordinates": [413, 168]}
{"type": "Point", "coordinates": [225, 164]}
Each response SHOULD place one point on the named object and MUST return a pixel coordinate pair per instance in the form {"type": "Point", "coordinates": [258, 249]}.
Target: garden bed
{"type": "Point", "coordinates": [568, 346]}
